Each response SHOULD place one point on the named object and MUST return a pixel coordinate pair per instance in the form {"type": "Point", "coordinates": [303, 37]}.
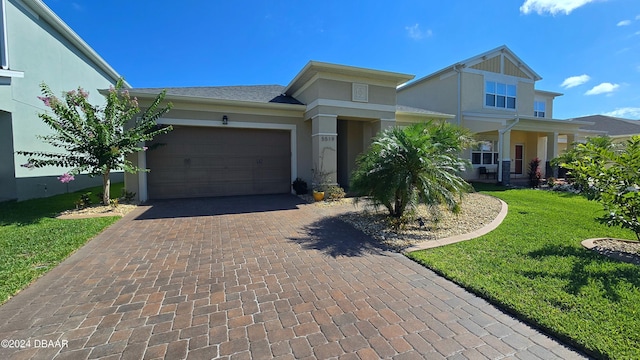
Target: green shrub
{"type": "Point", "coordinates": [127, 196]}
{"type": "Point", "coordinates": [610, 174]}
{"type": "Point", "coordinates": [334, 193]}
{"type": "Point", "coordinates": [84, 201]}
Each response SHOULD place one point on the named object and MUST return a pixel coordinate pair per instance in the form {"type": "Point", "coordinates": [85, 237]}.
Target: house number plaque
{"type": "Point", "coordinates": [327, 138]}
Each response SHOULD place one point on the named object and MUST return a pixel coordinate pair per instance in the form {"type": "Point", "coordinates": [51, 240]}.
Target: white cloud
{"type": "Point", "coordinates": [415, 33]}
{"type": "Point", "coordinates": [626, 112]}
{"type": "Point", "coordinates": [637, 17]}
{"type": "Point", "coordinates": [603, 88]}
{"type": "Point", "coordinates": [624, 23]}
{"type": "Point", "coordinates": [574, 81]}
{"type": "Point", "coordinates": [552, 6]}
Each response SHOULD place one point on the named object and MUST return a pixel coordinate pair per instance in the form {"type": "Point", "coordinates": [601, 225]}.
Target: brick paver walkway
{"type": "Point", "coordinates": [254, 278]}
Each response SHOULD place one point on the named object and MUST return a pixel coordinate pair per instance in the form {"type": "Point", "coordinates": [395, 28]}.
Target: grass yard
{"type": "Point", "coordinates": [534, 266]}
{"type": "Point", "coordinates": [32, 241]}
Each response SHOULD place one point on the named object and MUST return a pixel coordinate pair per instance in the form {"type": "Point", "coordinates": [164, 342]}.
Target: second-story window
{"type": "Point", "coordinates": [500, 95]}
{"type": "Point", "coordinates": [539, 108]}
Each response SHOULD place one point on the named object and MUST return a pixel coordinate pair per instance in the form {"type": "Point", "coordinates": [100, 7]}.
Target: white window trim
{"type": "Point", "coordinates": [543, 101]}
{"type": "Point", "coordinates": [502, 80]}
{"type": "Point", "coordinates": [496, 150]}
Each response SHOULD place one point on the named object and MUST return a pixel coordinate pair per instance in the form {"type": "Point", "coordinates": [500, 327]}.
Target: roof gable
{"type": "Point", "coordinates": [503, 61]}
{"type": "Point", "coordinates": [314, 69]}
{"type": "Point", "coordinates": [500, 60]}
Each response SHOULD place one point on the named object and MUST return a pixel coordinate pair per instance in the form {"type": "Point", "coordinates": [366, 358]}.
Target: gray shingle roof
{"type": "Point", "coordinates": [251, 93]}
{"type": "Point", "coordinates": [612, 125]}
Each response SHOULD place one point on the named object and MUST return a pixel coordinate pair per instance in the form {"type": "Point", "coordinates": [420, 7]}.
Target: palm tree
{"type": "Point", "coordinates": [417, 164]}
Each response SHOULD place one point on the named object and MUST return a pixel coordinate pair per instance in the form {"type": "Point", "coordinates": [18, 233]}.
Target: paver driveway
{"type": "Point", "coordinates": [254, 278]}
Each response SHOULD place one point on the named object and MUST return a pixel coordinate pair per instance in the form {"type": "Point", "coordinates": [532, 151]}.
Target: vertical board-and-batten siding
{"type": "Point", "coordinates": [494, 65]}
{"type": "Point", "coordinates": [491, 65]}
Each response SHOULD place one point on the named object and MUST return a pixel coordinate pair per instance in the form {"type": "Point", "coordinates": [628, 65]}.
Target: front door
{"type": "Point", "coordinates": [519, 159]}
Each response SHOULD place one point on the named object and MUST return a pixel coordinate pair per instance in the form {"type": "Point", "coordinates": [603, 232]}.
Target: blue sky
{"type": "Point", "coordinates": [587, 49]}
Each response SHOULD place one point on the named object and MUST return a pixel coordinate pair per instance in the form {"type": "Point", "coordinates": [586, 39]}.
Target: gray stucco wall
{"type": "Point", "coordinates": [44, 55]}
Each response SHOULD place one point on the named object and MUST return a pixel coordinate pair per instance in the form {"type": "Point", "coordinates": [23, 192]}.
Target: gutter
{"type": "Point", "coordinates": [500, 142]}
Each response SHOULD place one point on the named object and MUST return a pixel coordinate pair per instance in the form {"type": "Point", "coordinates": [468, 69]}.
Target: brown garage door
{"type": "Point", "coordinates": [199, 162]}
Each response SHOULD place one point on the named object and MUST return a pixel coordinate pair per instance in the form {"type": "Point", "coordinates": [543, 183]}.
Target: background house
{"type": "Point", "coordinates": [494, 95]}
{"type": "Point", "coordinates": [35, 47]}
{"type": "Point", "coordinates": [617, 128]}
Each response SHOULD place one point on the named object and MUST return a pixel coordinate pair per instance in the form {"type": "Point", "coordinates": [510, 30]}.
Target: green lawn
{"type": "Point", "coordinates": [534, 266]}
{"type": "Point", "coordinates": [32, 242]}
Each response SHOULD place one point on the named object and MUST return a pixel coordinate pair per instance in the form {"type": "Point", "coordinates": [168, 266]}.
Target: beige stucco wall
{"type": "Point", "coordinates": [436, 94]}
{"type": "Point", "coordinates": [525, 97]}
{"type": "Point", "coordinates": [472, 92]}
{"type": "Point", "coordinates": [342, 90]}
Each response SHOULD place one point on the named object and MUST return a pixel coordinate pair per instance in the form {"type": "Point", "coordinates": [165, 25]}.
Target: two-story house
{"type": "Point", "coordinates": [257, 139]}
{"type": "Point", "coordinates": [36, 47]}
{"type": "Point", "coordinates": [493, 94]}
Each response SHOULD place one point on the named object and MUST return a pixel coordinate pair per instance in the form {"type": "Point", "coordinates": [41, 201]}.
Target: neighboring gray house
{"type": "Point", "coordinates": [37, 46]}
{"type": "Point", "coordinates": [618, 129]}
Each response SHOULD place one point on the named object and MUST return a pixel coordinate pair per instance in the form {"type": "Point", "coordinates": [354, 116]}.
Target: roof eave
{"type": "Point", "coordinates": [58, 24]}
{"type": "Point", "coordinates": [319, 66]}
{"type": "Point", "coordinates": [423, 115]}
{"type": "Point", "coordinates": [550, 93]}
{"type": "Point", "coordinates": [211, 101]}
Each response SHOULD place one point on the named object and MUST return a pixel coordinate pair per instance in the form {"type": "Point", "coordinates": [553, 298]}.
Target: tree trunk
{"type": "Point", "coordinates": [106, 186]}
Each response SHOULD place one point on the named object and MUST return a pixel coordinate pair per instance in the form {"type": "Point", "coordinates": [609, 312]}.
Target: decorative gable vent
{"type": "Point", "coordinates": [360, 92]}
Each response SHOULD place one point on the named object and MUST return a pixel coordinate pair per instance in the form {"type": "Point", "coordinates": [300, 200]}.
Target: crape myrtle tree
{"type": "Point", "coordinates": [610, 174]}
{"type": "Point", "coordinates": [417, 164]}
{"type": "Point", "coordinates": [93, 139]}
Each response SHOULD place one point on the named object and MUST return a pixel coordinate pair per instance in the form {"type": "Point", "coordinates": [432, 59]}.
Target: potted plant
{"type": "Point", "coordinates": [319, 183]}
{"type": "Point", "coordinates": [300, 186]}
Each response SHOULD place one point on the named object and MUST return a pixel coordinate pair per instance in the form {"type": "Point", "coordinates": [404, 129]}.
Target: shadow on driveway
{"type": "Point", "coordinates": [337, 238]}
{"type": "Point", "coordinates": [179, 208]}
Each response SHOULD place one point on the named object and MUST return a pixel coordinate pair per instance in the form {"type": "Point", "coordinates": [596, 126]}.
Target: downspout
{"type": "Point", "coordinates": [456, 68]}
{"type": "Point", "coordinates": [500, 143]}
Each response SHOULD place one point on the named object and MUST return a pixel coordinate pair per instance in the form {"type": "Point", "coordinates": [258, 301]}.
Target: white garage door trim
{"type": "Point", "coordinates": [142, 157]}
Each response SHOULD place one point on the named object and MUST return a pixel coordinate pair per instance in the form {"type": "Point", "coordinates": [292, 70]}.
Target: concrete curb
{"type": "Point", "coordinates": [589, 244]}
{"type": "Point", "coordinates": [463, 237]}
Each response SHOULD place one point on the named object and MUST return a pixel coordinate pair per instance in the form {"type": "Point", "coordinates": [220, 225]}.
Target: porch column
{"type": "Point", "coordinates": [324, 146]}
{"type": "Point", "coordinates": [552, 152]}
{"type": "Point", "coordinates": [504, 146]}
